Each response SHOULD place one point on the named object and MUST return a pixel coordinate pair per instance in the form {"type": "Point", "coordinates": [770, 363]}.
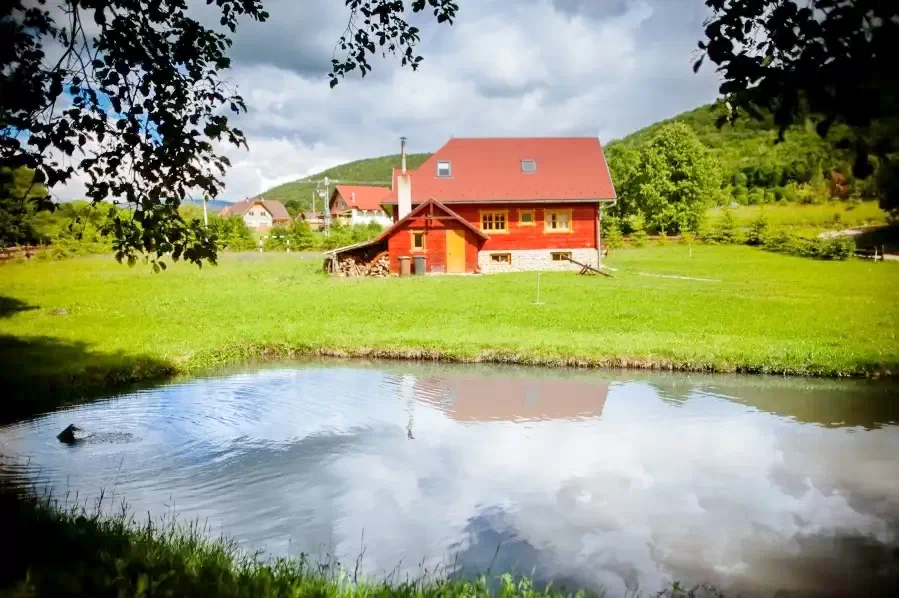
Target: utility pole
{"type": "Point", "coordinates": [324, 188]}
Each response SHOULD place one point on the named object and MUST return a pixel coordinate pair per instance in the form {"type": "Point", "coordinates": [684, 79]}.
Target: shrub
{"type": "Point", "coordinates": [839, 248]}
{"type": "Point", "coordinates": [611, 233]}
{"type": "Point", "coordinates": [757, 230]}
{"type": "Point", "coordinates": [756, 196]}
{"type": "Point", "coordinates": [779, 193]}
{"type": "Point", "coordinates": [663, 236]}
{"type": "Point", "coordinates": [276, 240]}
{"type": "Point", "coordinates": [638, 230]}
{"type": "Point", "coordinates": [725, 231]}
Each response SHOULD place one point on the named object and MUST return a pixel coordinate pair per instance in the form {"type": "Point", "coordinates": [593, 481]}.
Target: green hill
{"type": "Point", "coordinates": [755, 167]}
{"type": "Point", "coordinates": [297, 195]}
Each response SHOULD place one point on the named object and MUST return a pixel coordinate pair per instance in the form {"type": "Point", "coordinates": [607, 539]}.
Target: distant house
{"type": "Point", "coordinates": [358, 204]}
{"type": "Point", "coordinates": [259, 213]}
{"type": "Point", "coordinates": [498, 205]}
{"type": "Point", "coordinates": [315, 220]}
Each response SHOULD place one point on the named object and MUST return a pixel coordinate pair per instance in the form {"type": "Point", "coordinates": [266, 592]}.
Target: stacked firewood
{"type": "Point", "coordinates": [352, 266]}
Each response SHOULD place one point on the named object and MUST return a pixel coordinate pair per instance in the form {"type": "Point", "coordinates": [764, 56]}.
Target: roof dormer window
{"type": "Point", "coordinates": [444, 168]}
{"type": "Point", "coordinates": [529, 165]}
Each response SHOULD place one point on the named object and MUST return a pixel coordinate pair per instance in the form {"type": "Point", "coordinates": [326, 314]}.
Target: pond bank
{"type": "Point", "coordinates": [31, 393]}
{"type": "Point", "coordinates": [76, 552]}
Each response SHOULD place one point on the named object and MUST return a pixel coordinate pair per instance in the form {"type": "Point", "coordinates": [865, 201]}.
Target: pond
{"type": "Point", "coordinates": [614, 480]}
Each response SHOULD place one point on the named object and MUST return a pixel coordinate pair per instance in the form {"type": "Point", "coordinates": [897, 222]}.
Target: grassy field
{"type": "Point", "coordinates": [74, 328]}
{"type": "Point", "coordinates": [809, 216]}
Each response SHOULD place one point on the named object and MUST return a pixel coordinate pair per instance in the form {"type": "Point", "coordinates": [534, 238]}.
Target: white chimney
{"type": "Point", "coordinates": [403, 186]}
{"type": "Point", "coordinates": [403, 153]}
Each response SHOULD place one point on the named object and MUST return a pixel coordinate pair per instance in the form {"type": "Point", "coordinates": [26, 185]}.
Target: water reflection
{"type": "Point", "coordinates": [613, 480]}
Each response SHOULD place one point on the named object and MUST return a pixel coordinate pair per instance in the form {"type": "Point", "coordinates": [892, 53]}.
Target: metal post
{"type": "Point", "coordinates": [538, 302]}
{"type": "Point", "coordinates": [599, 234]}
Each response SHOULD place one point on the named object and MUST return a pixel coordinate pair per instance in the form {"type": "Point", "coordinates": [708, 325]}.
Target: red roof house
{"type": "Point", "coordinates": [500, 205]}
{"type": "Point", "coordinates": [359, 204]}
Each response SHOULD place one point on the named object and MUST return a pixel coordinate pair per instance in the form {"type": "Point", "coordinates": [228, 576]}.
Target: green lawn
{"type": "Point", "coordinates": [837, 214]}
{"type": "Point", "coordinates": [75, 327]}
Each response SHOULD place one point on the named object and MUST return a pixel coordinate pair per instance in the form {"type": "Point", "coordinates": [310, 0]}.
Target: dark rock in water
{"type": "Point", "coordinates": [75, 435]}
{"type": "Point", "coordinates": [72, 434]}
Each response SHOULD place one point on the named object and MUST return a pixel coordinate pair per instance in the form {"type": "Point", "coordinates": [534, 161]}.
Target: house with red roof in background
{"type": "Point", "coordinates": [259, 213]}
{"type": "Point", "coordinates": [497, 205]}
{"type": "Point", "coordinates": [359, 204]}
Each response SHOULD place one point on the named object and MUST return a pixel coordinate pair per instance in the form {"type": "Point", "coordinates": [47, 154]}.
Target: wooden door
{"type": "Point", "coordinates": [455, 250]}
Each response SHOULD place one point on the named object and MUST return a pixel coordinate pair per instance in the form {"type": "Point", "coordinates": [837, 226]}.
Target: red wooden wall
{"type": "Point", "coordinates": [583, 236]}
{"type": "Point", "coordinates": [400, 243]}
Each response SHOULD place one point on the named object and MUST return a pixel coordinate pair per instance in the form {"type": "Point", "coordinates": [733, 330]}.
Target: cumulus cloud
{"type": "Point", "coordinates": [507, 67]}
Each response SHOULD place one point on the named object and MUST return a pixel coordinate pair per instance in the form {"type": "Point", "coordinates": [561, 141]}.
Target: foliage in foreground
{"type": "Point", "coordinates": [75, 552]}
{"type": "Point", "coordinates": [832, 59]}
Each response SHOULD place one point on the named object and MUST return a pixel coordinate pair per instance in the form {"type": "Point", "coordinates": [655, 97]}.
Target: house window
{"type": "Point", "coordinates": [251, 213]}
{"type": "Point", "coordinates": [525, 217]}
{"type": "Point", "coordinates": [501, 258]}
{"type": "Point", "coordinates": [558, 221]}
{"type": "Point", "coordinates": [529, 165]}
{"type": "Point", "coordinates": [418, 240]}
{"type": "Point", "coordinates": [494, 221]}
{"type": "Point", "coordinates": [444, 168]}
{"type": "Point", "coordinates": [561, 256]}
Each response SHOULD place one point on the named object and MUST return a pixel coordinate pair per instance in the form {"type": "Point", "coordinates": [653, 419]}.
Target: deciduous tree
{"type": "Point", "coordinates": [130, 96]}
{"type": "Point", "coordinates": [832, 59]}
{"type": "Point", "coordinates": [676, 178]}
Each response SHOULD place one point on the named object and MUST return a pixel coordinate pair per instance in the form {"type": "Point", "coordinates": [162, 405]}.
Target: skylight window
{"type": "Point", "coordinates": [529, 165]}
{"type": "Point", "coordinates": [444, 168]}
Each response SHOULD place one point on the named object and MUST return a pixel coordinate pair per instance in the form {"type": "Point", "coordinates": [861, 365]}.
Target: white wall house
{"type": "Point", "coordinates": [258, 213]}
{"type": "Point", "coordinates": [357, 204]}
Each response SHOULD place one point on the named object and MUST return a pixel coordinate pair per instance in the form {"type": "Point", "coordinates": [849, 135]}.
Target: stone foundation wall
{"type": "Point", "coordinates": [524, 260]}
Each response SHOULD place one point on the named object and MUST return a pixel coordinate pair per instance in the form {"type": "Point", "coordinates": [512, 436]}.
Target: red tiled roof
{"type": "Point", "coordinates": [274, 207]}
{"type": "Point", "coordinates": [410, 216]}
{"type": "Point", "coordinates": [362, 197]}
{"type": "Point", "coordinates": [489, 169]}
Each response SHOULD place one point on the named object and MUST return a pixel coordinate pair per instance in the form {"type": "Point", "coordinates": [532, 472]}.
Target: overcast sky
{"type": "Point", "coordinates": [505, 68]}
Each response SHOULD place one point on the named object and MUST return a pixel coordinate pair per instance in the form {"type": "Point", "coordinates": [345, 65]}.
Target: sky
{"type": "Point", "coordinates": [505, 68]}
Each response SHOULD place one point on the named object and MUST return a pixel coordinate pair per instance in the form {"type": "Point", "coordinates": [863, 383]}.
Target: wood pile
{"type": "Point", "coordinates": [349, 265]}
{"type": "Point", "coordinates": [16, 251]}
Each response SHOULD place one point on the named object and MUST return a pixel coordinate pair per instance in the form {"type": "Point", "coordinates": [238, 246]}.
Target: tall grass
{"type": "Point", "coordinates": [57, 550]}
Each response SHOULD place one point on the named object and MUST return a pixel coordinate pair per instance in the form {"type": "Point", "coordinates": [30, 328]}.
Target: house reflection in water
{"type": "Point", "coordinates": [469, 397]}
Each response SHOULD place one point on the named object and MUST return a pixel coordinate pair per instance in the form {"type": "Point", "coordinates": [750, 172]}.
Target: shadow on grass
{"type": "Point", "coordinates": [42, 373]}
{"type": "Point", "coordinates": [10, 306]}
{"type": "Point", "coordinates": [884, 238]}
